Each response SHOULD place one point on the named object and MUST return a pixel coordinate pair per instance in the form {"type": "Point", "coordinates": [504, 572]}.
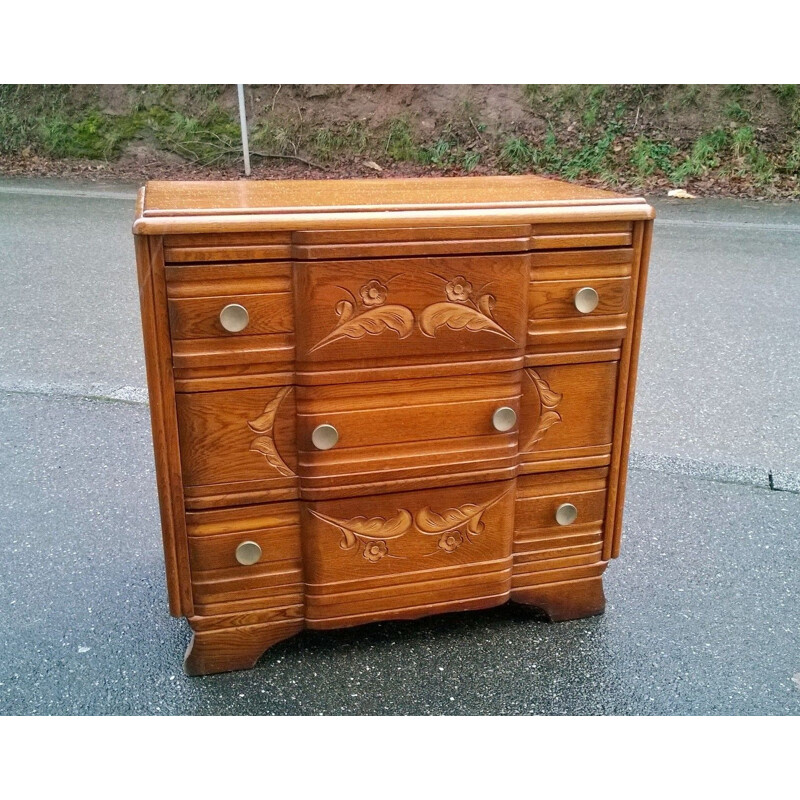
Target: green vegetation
{"type": "Point", "coordinates": [400, 145]}
{"type": "Point", "coordinates": [630, 135]}
{"type": "Point", "coordinates": [649, 157]}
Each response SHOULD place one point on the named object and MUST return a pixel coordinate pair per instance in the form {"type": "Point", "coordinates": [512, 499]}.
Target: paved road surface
{"type": "Point", "coordinates": [703, 606]}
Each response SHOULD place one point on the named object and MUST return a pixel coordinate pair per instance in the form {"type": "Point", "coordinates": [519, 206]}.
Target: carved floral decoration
{"type": "Point", "coordinates": [455, 526]}
{"type": "Point", "coordinates": [373, 318]}
{"type": "Point", "coordinates": [263, 425]}
{"type": "Point", "coordinates": [368, 535]}
{"type": "Point", "coordinates": [462, 311]}
{"type": "Point", "coordinates": [548, 401]}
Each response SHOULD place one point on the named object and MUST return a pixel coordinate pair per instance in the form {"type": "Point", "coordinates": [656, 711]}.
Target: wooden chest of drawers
{"type": "Point", "coordinates": [383, 399]}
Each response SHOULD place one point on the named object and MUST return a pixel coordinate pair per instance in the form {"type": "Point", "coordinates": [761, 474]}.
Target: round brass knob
{"type": "Point", "coordinates": [566, 514]}
{"type": "Point", "coordinates": [586, 300]}
{"type": "Point", "coordinates": [504, 419]}
{"type": "Point", "coordinates": [248, 553]}
{"type": "Point", "coordinates": [323, 437]}
{"type": "Point", "coordinates": [234, 318]}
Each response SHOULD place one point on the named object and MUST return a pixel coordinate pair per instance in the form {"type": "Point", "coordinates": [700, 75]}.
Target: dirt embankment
{"type": "Point", "coordinates": [739, 140]}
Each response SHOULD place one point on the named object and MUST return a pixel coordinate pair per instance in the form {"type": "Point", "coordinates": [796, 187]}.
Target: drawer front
{"type": "Point", "coordinates": [407, 554]}
{"type": "Point", "coordinates": [408, 310]}
{"type": "Point", "coordinates": [246, 559]}
{"type": "Point", "coordinates": [567, 416]}
{"type": "Point", "coordinates": [237, 446]}
{"type": "Point", "coordinates": [552, 300]}
{"type": "Point", "coordinates": [203, 317]}
{"type": "Point", "coordinates": [197, 248]}
{"type": "Point", "coordinates": [579, 299]}
{"type": "Point", "coordinates": [207, 351]}
{"type": "Point", "coordinates": [259, 444]}
{"type": "Point", "coordinates": [559, 526]}
{"type": "Point", "coordinates": [407, 430]}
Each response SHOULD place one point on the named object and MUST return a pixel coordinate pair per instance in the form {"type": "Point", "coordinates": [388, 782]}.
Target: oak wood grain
{"type": "Point", "coordinates": [199, 317]}
{"type": "Point", "coordinates": [401, 308]}
{"type": "Point", "coordinates": [155, 329]}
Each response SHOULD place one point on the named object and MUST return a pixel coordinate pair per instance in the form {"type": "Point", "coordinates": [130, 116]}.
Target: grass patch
{"type": "Point", "coordinates": [95, 136]}
{"type": "Point", "coordinates": [752, 160]}
{"type": "Point", "coordinates": [400, 144]}
{"type": "Point", "coordinates": [208, 139]}
{"type": "Point", "coordinates": [328, 143]}
{"type": "Point", "coordinates": [650, 157]}
{"type": "Point", "coordinates": [705, 155]}
{"type": "Point", "coordinates": [736, 112]}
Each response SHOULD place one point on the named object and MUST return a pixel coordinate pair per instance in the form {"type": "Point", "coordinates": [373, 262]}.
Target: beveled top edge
{"type": "Point", "coordinates": [545, 213]}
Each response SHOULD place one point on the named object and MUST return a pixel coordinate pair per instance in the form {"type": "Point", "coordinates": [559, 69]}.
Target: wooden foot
{"type": "Point", "coordinates": [230, 649]}
{"type": "Point", "coordinates": [565, 600]}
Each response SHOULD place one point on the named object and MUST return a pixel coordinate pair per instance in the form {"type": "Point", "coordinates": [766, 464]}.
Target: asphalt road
{"type": "Point", "coordinates": [703, 613]}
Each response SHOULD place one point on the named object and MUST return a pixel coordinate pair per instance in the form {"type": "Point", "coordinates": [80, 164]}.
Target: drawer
{"type": "Point", "coordinates": [237, 446]}
{"type": "Point", "coordinates": [407, 310]}
{"type": "Point", "coordinates": [245, 315]}
{"type": "Point", "coordinates": [567, 416]}
{"type": "Point", "coordinates": [579, 299]}
{"type": "Point", "coordinates": [182, 248]}
{"type": "Point", "coordinates": [229, 318]}
{"type": "Point", "coordinates": [578, 313]}
{"type": "Point", "coordinates": [610, 262]}
{"type": "Point", "coordinates": [406, 554]}
{"type": "Point", "coordinates": [567, 300]}
{"type": "Point", "coordinates": [559, 525]}
{"type": "Point", "coordinates": [409, 430]}
{"type": "Point", "coordinates": [238, 557]}
{"type": "Point", "coordinates": [259, 444]}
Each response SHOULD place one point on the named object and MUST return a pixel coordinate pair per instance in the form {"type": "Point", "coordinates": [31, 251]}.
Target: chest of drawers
{"type": "Point", "coordinates": [384, 399]}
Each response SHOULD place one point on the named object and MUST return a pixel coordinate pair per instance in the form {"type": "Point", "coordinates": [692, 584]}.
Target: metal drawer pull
{"type": "Point", "coordinates": [248, 553]}
{"type": "Point", "coordinates": [586, 300]}
{"type": "Point", "coordinates": [504, 419]}
{"type": "Point", "coordinates": [323, 437]}
{"type": "Point", "coordinates": [566, 514]}
{"type": "Point", "coordinates": [234, 318]}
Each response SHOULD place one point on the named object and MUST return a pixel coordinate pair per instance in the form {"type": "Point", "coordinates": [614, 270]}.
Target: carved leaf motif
{"type": "Point", "coordinates": [363, 529]}
{"type": "Point", "coordinates": [374, 321]}
{"type": "Point", "coordinates": [547, 396]}
{"type": "Point", "coordinates": [344, 310]}
{"type": "Point", "coordinates": [449, 523]}
{"type": "Point", "coordinates": [457, 317]}
{"type": "Point", "coordinates": [431, 522]}
{"type": "Point", "coordinates": [378, 527]}
{"type": "Point", "coordinates": [265, 443]}
{"type": "Point", "coordinates": [548, 400]}
{"type": "Point", "coordinates": [486, 304]}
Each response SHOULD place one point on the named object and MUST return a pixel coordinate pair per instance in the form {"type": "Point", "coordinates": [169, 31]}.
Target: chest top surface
{"type": "Point", "coordinates": [220, 206]}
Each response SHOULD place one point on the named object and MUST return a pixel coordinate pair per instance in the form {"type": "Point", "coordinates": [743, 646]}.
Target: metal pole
{"type": "Point", "coordinates": [243, 125]}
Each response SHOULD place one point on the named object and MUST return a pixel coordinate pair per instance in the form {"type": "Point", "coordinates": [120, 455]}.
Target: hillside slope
{"type": "Point", "coordinates": [740, 140]}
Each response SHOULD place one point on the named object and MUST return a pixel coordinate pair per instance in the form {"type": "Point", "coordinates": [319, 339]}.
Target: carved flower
{"type": "Point", "coordinates": [459, 289]}
{"type": "Point", "coordinates": [450, 540]}
{"type": "Point", "coordinates": [375, 551]}
{"type": "Point", "coordinates": [373, 293]}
